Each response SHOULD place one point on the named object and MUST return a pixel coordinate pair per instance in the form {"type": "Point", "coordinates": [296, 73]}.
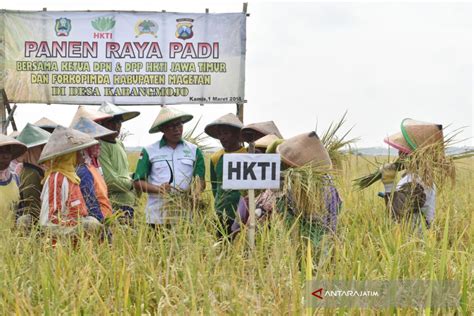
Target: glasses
{"type": "Point", "coordinates": [176, 125]}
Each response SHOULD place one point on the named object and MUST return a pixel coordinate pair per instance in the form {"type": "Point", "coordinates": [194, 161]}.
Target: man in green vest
{"type": "Point", "coordinates": [114, 161]}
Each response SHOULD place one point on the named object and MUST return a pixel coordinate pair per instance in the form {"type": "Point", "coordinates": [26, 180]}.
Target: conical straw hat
{"type": "Point", "coordinates": [420, 134]}
{"type": "Point", "coordinates": [89, 113]}
{"type": "Point", "coordinates": [33, 135]}
{"type": "Point", "coordinates": [415, 134]}
{"type": "Point", "coordinates": [305, 149]}
{"type": "Point", "coordinates": [45, 122]}
{"type": "Point", "coordinates": [166, 115]}
{"type": "Point", "coordinates": [16, 148]}
{"type": "Point", "coordinates": [254, 131]}
{"type": "Point", "coordinates": [91, 128]}
{"type": "Point", "coordinates": [227, 120]}
{"type": "Point", "coordinates": [14, 134]}
{"type": "Point", "coordinates": [265, 141]}
{"type": "Point", "coordinates": [397, 141]}
{"type": "Point", "coordinates": [64, 141]}
{"type": "Point", "coordinates": [112, 109]}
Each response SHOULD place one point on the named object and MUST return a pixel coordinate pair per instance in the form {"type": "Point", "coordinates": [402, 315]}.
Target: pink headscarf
{"type": "Point", "coordinates": [91, 156]}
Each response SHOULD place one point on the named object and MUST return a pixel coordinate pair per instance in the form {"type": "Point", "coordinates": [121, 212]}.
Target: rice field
{"type": "Point", "coordinates": [186, 271]}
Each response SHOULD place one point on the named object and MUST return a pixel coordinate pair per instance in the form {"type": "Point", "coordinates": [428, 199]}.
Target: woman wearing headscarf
{"type": "Point", "coordinates": [62, 204]}
{"type": "Point", "coordinates": [93, 187]}
{"type": "Point", "coordinates": [9, 192]}
{"type": "Point", "coordinates": [31, 176]}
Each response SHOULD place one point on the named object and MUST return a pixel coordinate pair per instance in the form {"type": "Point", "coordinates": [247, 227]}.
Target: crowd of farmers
{"type": "Point", "coordinates": [67, 181]}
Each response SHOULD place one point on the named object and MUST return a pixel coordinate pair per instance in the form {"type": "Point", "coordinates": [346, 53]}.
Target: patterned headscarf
{"type": "Point", "coordinates": [91, 156]}
{"type": "Point", "coordinates": [65, 164]}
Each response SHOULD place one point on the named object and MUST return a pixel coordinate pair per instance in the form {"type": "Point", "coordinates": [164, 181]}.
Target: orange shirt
{"type": "Point", "coordinates": [101, 192]}
{"type": "Point", "coordinates": [65, 202]}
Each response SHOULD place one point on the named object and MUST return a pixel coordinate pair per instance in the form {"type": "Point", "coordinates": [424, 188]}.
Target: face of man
{"type": "Point", "coordinates": [114, 124]}
{"type": "Point", "coordinates": [229, 137]}
{"type": "Point", "coordinates": [5, 157]}
{"type": "Point", "coordinates": [173, 131]}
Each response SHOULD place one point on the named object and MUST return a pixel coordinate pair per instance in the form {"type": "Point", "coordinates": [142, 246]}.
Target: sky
{"type": "Point", "coordinates": [309, 62]}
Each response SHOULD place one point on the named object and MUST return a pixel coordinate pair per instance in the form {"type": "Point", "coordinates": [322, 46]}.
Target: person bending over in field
{"type": "Point", "coordinates": [31, 176]}
{"type": "Point", "coordinates": [114, 161]}
{"type": "Point", "coordinates": [62, 205]}
{"type": "Point", "coordinates": [9, 192]}
{"type": "Point", "coordinates": [421, 154]}
{"type": "Point", "coordinates": [166, 168]}
{"type": "Point", "coordinates": [227, 130]}
{"type": "Point", "coordinates": [308, 194]}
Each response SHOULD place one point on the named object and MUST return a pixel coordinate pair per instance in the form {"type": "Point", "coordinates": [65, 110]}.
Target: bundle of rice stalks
{"type": "Point", "coordinates": [334, 144]}
{"type": "Point", "coordinates": [181, 204]}
{"type": "Point", "coordinates": [429, 163]}
{"type": "Point", "coordinates": [305, 188]}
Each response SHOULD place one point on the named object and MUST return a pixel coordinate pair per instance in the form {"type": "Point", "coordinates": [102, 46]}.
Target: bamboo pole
{"type": "Point", "coordinates": [251, 193]}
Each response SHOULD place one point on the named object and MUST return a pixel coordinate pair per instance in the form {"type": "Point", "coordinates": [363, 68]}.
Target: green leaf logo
{"type": "Point", "coordinates": [103, 24]}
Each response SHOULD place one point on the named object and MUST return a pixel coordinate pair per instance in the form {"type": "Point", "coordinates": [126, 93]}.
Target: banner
{"type": "Point", "coordinates": [122, 57]}
{"type": "Point", "coordinates": [251, 171]}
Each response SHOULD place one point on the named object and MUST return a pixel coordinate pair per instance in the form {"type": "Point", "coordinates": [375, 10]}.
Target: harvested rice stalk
{"type": "Point", "coordinates": [305, 185]}
{"type": "Point", "coordinates": [334, 144]}
{"type": "Point", "coordinates": [431, 166]}
{"type": "Point", "coordinates": [199, 139]}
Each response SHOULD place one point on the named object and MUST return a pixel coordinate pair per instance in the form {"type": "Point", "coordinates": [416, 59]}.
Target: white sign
{"type": "Point", "coordinates": [251, 171]}
{"type": "Point", "coordinates": [122, 57]}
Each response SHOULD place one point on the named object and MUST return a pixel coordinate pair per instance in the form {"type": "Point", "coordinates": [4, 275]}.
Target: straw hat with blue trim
{"type": "Point", "coordinates": [91, 128]}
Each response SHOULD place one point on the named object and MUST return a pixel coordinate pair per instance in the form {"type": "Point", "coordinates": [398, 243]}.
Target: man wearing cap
{"type": "Point", "coordinates": [421, 152]}
{"type": "Point", "coordinates": [227, 130]}
{"type": "Point", "coordinates": [168, 166]}
{"type": "Point", "coordinates": [31, 176]}
{"type": "Point", "coordinates": [9, 192]}
{"type": "Point", "coordinates": [114, 161]}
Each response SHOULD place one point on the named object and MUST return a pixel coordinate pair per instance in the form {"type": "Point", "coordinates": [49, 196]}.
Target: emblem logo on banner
{"type": "Point", "coordinates": [63, 27]}
{"type": "Point", "coordinates": [103, 24]}
{"type": "Point", "coordinates": [146, 27]}
{"type": "Point", "coordinates": [184, 28]}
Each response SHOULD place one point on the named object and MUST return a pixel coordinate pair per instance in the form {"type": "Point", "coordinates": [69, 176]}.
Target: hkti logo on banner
{"type": "Point", "coordinates": [103, 25]}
